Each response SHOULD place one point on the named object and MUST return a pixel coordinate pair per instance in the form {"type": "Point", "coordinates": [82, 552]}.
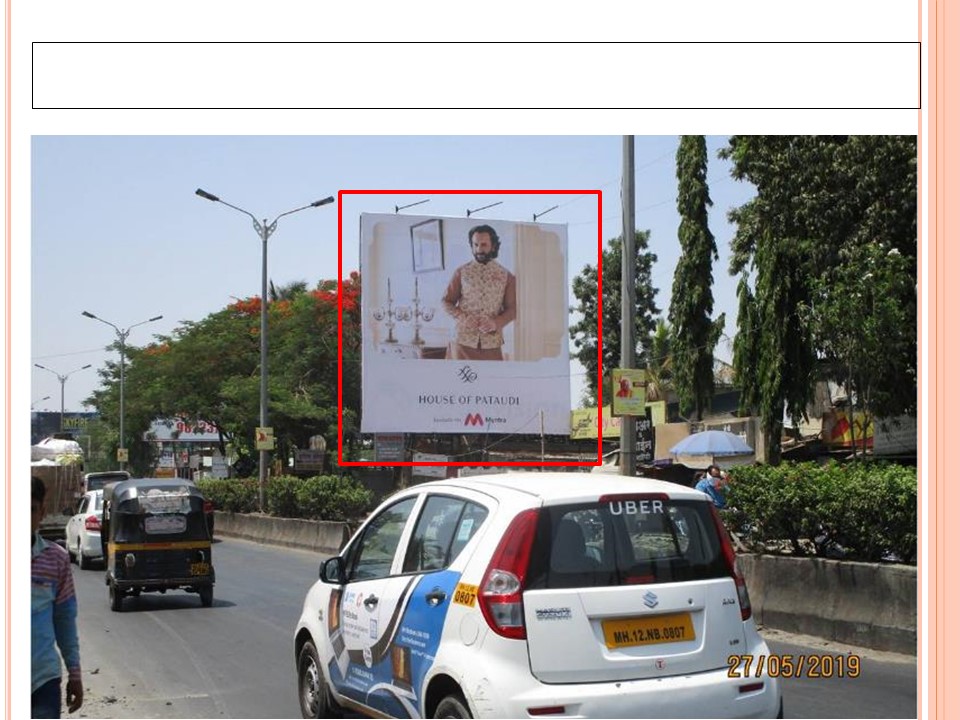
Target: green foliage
{"type": "Point", "coordinates": [331, 497]}
{"type": "Point", "coordinates": [233, 495]}
{"type": "Point", "coordinates": [584, 332]}
{"type": "Point", "coordinates": [869, 509]}
{"type": "Point", "coordinates": [210, 370]}
{"type": "Point", "coordinates": [694, 332]}
{"type": "Point", "coordinates": [825, 206]}
{"type": "Point", "coordinates": [324, 497]}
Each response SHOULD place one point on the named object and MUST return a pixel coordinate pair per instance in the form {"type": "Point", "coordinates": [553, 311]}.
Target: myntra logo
{"type": "Point", "coordinates": [473, 419]}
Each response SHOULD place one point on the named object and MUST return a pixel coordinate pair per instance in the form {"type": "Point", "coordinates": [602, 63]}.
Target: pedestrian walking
{"type": "Point", "coordinates": [53, 620]}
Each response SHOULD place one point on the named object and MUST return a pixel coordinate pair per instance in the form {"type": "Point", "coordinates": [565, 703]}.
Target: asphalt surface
{"type": "Point", "coordinates": [165, 656]}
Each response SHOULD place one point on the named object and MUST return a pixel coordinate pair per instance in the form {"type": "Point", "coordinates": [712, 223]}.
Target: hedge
{"type": "Point", "coordinates": [324, 497]}
{"type": "Point", "coordinates": [858, 511]}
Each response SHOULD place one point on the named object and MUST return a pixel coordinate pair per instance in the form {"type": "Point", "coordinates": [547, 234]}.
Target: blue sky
{"type": "Point", "coordinates": [117, 229]}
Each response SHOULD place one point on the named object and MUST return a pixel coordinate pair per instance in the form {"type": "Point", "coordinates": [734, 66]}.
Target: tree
{"type": "Point", "coordinates": [584, 332]}
{"type": "Point", "coordinates": [694, 333]}
{"type": "Point", "coordinates": [210, 370]}
{"type": "Point", "coordinates": [659, 363]}
{"type": "Point", "coordinates": [822, 203]}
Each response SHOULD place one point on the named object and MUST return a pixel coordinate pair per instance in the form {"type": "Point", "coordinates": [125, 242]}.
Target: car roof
{"type": "Point", "coordinates": [553, 487]}
{"type": "Point", "coordinates": [124, 488]}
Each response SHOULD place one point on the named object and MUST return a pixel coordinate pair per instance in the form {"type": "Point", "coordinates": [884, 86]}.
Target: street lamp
{"type": "Point", "coordinates": [63, 382]}
{"type": "Point", "coordinates": [264, 230]}
{"type": "Point", "coordinates": [34, 403]}
{"type": "Point", "coordinates": [122, 335]}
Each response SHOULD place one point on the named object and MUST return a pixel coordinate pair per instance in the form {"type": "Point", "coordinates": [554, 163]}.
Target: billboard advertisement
{"type": "Point", "coordinates": [464, 325]}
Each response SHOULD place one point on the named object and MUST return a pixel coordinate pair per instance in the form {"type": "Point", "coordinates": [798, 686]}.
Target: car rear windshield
{"type": "Point", "coordinates": [99, 480]}
{"type": "Point", "coordinates": [625, 541]}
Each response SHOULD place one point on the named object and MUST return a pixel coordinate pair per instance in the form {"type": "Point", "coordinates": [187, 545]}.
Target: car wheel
{"type": "Point", "coordinates": [453, 706]}
{"type": "Point", "coordinates": [82, 560]}
{"type": "Point", "coordinates": [116, 598]}
{"type": "Point", "coordinates": [315, 699]}
{"type": "Point", "coordinates": [206, 596]}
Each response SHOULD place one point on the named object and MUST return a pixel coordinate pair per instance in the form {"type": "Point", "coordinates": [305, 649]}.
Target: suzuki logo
{"type": "Point", "coordinates": [473, 419]}
{"type": "Point", "coordinates": [651, 600]}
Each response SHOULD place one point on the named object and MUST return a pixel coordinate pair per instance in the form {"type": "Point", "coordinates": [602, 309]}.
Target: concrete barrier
{"type": "Point", "coordinates": [320, 535]}
{"type": "Point", "coordinates": [866, 604]}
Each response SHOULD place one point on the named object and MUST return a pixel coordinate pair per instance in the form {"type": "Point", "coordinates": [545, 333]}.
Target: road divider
{"type": "Point", "coordinates": [323, 536]}
{"type": "Point", "coordinates": [871, 605]}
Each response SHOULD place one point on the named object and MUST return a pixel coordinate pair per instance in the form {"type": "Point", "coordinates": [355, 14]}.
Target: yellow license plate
{"type": "Point", "coordinates": [199, 568]}
{"type": "Point", "coordinates": [629, 632]}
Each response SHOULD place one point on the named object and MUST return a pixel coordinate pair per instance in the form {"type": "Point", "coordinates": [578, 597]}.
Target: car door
{"type": "Point", "coordinates": [361, 609]}
{"type": "Point", "coordinates": [76, 522]}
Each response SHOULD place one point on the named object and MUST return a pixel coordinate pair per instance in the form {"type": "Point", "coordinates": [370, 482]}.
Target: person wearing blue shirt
{"type": "Point", "coordinates": [713, 484]}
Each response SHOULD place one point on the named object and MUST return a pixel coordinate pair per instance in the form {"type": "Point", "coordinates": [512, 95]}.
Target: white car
{"type": "Point", "coordinates": [531, 595]}
{"type": "Point", "coordinates": [83, 530]}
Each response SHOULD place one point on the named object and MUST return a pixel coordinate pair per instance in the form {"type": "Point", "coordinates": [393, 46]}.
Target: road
{"type": "Point", "coordinates": [164, 656]}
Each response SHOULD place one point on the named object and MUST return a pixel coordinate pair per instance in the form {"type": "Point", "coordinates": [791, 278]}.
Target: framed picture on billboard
{"type": "Point", "coordinates": [427, 243]}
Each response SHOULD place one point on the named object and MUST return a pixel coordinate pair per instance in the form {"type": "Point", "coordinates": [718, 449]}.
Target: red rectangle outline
{"type": "Point", "coordinates": [360, 463]}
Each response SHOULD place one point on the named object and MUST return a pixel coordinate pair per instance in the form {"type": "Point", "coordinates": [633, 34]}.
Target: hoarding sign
{"type": "Point", "coordinates": [629, 391]}
{"type": "Point", "coordinates": [388, 447]}
{"type": "Point", "coordinates": [431, 471]}
{"type": "Point", "coordinates": [460, 343]}
{"type": "Point", "coordinates": [583, 424]}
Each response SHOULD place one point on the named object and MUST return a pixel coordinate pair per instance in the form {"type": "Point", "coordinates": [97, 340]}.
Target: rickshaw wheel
{"type": "Point", "coordinates": [315, 699]}
{"type": "Point", "coordinates": [206, 596]}
{"type": "Point", "coordinates": [116, 598]}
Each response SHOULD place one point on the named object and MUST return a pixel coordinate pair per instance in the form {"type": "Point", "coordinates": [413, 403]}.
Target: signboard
{"type": "Point", "coordinates": [895, 436]}
{"type": "Point", "coordinates": [388, 447]}
{"type": "Point", "coordinates": [433, 471]}
{"type": "Point", "coordinates": [309, 460]}
{"type": "Point", "coordinates": [629, 391]}
{"type": "Point", "coordinates": [583, 424]}
{"type": "Point", "coordinates": [658, 412]}
{"type": "Point", "coordinates": [645, 438]}
{"type": "Point", "coordinates": [123, 455]}
{"type": "Point", "coordinates": [218, 467]}
{"type": "Point", "coordinates": [457, 343]}
{"type": "Point", "coordinates": [180, 430]}
{"type": "Point", "coordinates": [264, 438]}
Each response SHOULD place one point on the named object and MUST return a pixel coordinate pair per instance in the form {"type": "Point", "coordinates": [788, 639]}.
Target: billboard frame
{"type": "Point", "coordinates": [472, 463]}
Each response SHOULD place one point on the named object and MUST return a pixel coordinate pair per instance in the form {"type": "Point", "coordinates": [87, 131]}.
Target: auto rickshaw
{"type": "Point", "coordinates": [155, 538]}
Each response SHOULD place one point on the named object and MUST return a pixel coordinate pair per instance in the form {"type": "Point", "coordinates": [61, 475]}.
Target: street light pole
{"type": "Point", "coordinates": [34, 403]}
{"type": "Point", "coordinates": [264, 229]}
{"type": "Point", "coordinates": [122, 334]}
{"type": "Point", "coordinates": [63, 382]}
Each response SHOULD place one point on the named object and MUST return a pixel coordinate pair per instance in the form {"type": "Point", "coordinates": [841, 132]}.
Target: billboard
{"type": "Point", "coordinates": [464, 325]}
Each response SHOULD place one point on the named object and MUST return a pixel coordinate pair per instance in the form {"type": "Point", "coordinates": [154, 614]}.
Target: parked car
{"type": "Point", "coordinates": [526, 594]}
{"type": "Point", "coordinates": [97, 480]}
{"type": "Point", "coordinates": [82, 533]}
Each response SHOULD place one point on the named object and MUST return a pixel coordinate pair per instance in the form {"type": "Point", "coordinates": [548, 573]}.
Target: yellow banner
{"type": "Point", "coordinates": [584, 423]}
{"type": "Point", "coordinates": [629, 391]}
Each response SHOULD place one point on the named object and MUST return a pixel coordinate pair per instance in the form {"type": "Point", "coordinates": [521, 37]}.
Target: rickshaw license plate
{"type": "Point", "coordinates": [630, 632]}
{"type": "Point", "coordinates": [199, 568]}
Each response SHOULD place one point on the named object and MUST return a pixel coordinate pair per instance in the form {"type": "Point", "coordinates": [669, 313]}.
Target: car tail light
{"type": "Point", "coordinates": [208, 506]}
{"type": "Point", "coordinates": [501, 591]}
{"type": "Point", "coordinates": [730, 555]}
{"type": "Point", "coordinates": [92, 523]}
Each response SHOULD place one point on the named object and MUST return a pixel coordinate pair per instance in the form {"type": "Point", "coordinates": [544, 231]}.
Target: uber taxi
{"type": "Point", "coordinates": [534, 595]}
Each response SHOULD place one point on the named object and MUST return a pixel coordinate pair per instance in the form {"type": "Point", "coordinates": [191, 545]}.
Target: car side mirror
{"type": "Point", "coordinates": [333, 571]}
